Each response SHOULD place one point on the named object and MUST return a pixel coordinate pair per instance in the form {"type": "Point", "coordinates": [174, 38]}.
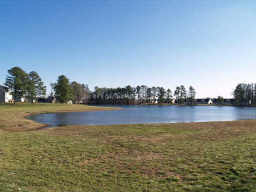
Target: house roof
{"type": "Point", "coordinates": [4, 87]}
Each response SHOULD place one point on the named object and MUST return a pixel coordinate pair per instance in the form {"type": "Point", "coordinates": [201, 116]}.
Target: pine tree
{"type": "Point", "coordinates": [63, 90]}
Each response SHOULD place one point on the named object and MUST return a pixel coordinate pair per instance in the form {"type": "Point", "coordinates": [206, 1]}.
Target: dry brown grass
{"type": "Point", "coordinates": [206, 131]}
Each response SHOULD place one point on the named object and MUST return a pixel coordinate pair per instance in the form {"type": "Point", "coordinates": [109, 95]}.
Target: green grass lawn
{"type": "Point", "coordinates": [216, 156]}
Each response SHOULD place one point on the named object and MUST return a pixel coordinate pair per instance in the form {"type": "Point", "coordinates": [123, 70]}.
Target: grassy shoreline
{"type": "Point", "coordinates": [210, 156]}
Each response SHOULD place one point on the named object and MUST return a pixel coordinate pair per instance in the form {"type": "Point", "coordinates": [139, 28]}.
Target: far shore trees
{"type": "Point", "coordinates": [36, 86]}
{"type": "Point", "coordinates": [138, 95]}
{"type": "Point", "coordinates": [161, 96]}
{"type": "Point", "coordinates": [23, 85]}
{"type": "Point", "coordinates": [80, 93]}
{"type": "Point", "coordinates": [29, 87]}
{"type": "Point", "coordinates": [245, 94]}
{"type": "Point", "coordinates": [191, 95]}
{"type": "Point", "coordinates": [169, 95]}
{"type": "Point", "coordinates": [149, 94]}
{"type": "Point", "coordinates": [220, 100]}
{"type": "Point", "coordinates": [63, 90]}
{"type": "Point", "coordinates": [17, 82]}
{"type": "Point", "coordinates": [181, 94]}
{"type": "Point", "coordinates": [184, 97]}
{"type": "Point", "coordinates": [177, 95]}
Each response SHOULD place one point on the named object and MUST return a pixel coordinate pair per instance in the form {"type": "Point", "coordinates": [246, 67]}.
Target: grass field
{"type": "Point", "coordinates": [216, 156]}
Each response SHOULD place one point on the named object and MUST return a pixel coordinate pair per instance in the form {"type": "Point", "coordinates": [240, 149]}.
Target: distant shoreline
{"type": "Point", "coordinates": [165, 104]}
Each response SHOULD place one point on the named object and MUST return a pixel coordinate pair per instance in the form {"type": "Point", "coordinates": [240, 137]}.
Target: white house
{"type": "Point", "coordinates": [5, 95]}
{"type": "Point", "coordinates": [22, 100]}
{"type": "Point", "coordinates": [210, 102]}
{"type": "Point", "coordinates": [156, 100]}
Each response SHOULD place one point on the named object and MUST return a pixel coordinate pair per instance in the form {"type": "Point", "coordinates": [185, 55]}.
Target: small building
{"type": "Point", "coordinates": [229, 101]}
{"type": "Point", "coordinates": [5, 95]}
{"type": "Point", "coordinates": [21, 99]}
{"type": "Point", "coordinates": [156, 99]}
{"type": "Point", "coordinates": [210, 102]}
{"type": "Point", "coordinates": [206, 101]}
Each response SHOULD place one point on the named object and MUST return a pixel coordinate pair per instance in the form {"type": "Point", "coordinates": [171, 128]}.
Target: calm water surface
{"type": "Point", "coordinates": [148, 114]}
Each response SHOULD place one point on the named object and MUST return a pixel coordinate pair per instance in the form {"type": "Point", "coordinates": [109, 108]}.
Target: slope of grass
{"type": "Point", "coordinates": [215, 156]}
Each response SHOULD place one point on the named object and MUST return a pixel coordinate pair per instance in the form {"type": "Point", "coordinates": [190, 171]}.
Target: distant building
{"type": "Point", "coordinates": [229, 101]}
{"type": "Point", "coordinates": [5, 95]}
{"type": "Point", "coordinates": [155, 99]}
{"type": "Point", "coordinates": [50, 99]}
{"type": "Point", "coordinates": [206, 101]}
{"type": "Point", "coordinates": [20, 99]}
{"type": "Point", "coordinates": [210, 102]}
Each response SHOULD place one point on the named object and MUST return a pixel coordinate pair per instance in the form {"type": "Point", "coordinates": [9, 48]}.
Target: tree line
{"type": "Point", "coordinates": [64, 91]}
{"type": "Point", "coordinates": [31, 87]}
{"type": "Point", "coordinates": [142, 94]}
{"type": "Point", "coordinates": [25, 85]}
{"type": "Point", "coordinates": [245, 94]}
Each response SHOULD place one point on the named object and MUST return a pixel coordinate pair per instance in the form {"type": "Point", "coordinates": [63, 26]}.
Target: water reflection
{"type": "Point", "coordinates": [149, 114]}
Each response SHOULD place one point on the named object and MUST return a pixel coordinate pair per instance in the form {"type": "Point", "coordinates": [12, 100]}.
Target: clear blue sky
{"type": "Point", "coordinates": [210, 44]}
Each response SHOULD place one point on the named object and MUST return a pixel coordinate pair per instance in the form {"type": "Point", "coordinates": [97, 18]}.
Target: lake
{"type": "Point", "coordinates": [148, 114]}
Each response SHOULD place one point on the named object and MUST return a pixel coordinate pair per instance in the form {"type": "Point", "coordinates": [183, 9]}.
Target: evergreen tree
{"type": "Point", "coordinates": [240, 94]}
{"type": "Point", "coordinates": [17, 81]}
{"type": "Point", "coordinates": [149, 94]}
{"type": "Point", "coordinates": [63, 90]}
{"type": "Point", "coordinates": [35, 86]}
{"type": "Point", "coordinates": [220, 100]}
{"type": "Point", "coordinates": [183, 94]}
{"type": "Point", "coordinates": [191, 95]}
{"type": "Point", "coordinates": [169, 95]}
{"type": "Point", "coordinates": [79, 92]}
{"type": "Point", "coordinates": [161, 95]}
{"type": "Point", "coordinates": [177, 94]}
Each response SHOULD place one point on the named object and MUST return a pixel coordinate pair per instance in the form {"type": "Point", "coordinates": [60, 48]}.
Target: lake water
{"type": "Point", "coordinates": [148, 114]}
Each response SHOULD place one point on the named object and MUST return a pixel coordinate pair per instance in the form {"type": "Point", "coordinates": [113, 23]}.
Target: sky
{"type": "Point", "coordinates": [209, 44]}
